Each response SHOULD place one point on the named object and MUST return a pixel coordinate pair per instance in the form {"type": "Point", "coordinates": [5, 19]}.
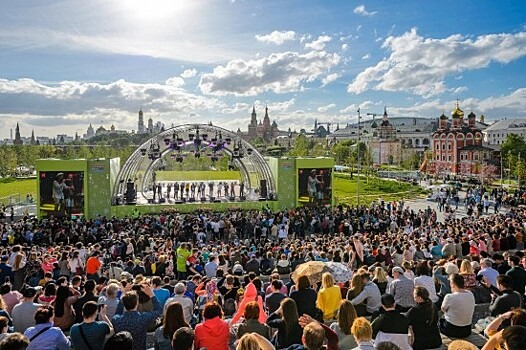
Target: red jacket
{"type": "Point", "coordinates": [212, 334]}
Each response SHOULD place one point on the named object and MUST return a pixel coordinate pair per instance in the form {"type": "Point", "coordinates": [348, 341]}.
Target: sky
{"type": "Point", "coordinates": [65, 64]}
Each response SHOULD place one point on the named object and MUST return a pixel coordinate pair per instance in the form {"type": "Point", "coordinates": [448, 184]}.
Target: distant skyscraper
{"type": "Point", "coordinates": [33, 142]}
{"type": "Point", "coordinates": [17, 140]}
{"type": "Point", "coordinates": [140, 124]}
{"type": "Point", "coordinates": [150, 126]}
{"type": "Point", "coordinates": [90, 132]}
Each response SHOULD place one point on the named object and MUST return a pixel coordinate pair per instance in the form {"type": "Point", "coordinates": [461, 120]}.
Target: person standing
{"type": "Point", "coordinates": [182, 254]}
{"type": "Point", "coordinates": [23, 313]}
{"type": "Point", "coordinates": [517, 273]}
{"type": "Point", "coordinates": [93, 266]}
{"type": "Point", "coordinates": [58, 192]}
{"type": "Point", "coordinates": [43, 335]}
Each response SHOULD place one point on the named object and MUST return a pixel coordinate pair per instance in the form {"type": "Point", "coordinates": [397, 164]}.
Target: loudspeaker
{"type": "Point", "coordinates": [203, 199]}
{"type": "Point", "coordinates": [178, 202]}
{"type": "Point", "coordinates": [212, 199]}
{"type": "Point", "coordinates": [242, 198]}
{"type": "Point", "coordinates": [150, 200]}
{"type": "Point", "coordinates": [191, 199]}
{"type": "Point", "coordinates": [162, 200]}
{"type": "Point", "coordinates": [130, 193]}
{"type": "Point", "coordinates": [263, 188]}
{"type": "Point", "coordinates": [217, 200]}
{"type": "Point", "coordinates": [232, 199]}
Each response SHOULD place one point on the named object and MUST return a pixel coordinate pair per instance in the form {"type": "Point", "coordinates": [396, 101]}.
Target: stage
{"type": "Point", "coordinates": [128, 210]}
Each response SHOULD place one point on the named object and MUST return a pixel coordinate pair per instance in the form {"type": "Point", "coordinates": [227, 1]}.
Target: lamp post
{"type": "Point", "coordinates": [509, 168]}
{"type": "Point", "coordinates": [359, 160]}
{"type": "Point", "coordinates": [501, 172]}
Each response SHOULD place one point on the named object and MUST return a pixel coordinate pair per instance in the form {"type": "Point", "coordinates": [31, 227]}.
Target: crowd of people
{"type": "Point", "coordinates": [228, 281]}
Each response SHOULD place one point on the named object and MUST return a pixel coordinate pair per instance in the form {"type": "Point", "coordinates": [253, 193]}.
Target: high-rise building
{"type": "Point", "coordinates": [140, 124]}
{"type": "Point", "coordinates": [90, 132]}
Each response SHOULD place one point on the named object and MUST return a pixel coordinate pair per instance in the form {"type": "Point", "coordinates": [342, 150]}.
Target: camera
{"type": "Point", "coordinates": [99, 307]}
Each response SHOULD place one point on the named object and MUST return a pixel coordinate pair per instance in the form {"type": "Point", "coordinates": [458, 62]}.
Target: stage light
{"type": "Point", "coordinates": [143, 151]}
{"type": "Point", "coordinates": [166, 142]}
{"type": "Point", "coordinates": [249, 151]}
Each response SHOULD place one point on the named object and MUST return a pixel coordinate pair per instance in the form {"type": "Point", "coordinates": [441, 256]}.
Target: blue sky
{"type": "Point", "coordinates": [64, 64]}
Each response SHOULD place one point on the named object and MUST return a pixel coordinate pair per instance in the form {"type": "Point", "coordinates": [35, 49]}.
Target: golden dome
{"type": "Point", "coordinates": [457, 112]}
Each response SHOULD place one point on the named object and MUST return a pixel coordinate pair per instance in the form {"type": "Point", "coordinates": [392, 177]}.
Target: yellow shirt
{"type": "Point", "coordinates": [329, 301]}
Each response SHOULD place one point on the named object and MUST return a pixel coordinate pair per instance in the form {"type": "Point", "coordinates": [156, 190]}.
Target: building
{"type": "Point", "coordinates": [385, 147]}
{"type": "Point", "coordinates": [90, 132]}
{"type": "Point", "coordinates": [457, 146]}
{"type": "Point", "coordinates": [17, 140]}
{"type": "Point", "coordinates": [264, 129]}
{"type": "Point", "coordinates": [496, 133]}
{"type": "Point", "coordinates": [140, 124]}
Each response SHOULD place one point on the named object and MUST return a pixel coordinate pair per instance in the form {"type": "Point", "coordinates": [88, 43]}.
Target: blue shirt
{"type": "Point", "coordinates": [491, 274]}
{"type": "Point", "coordinates": [162, 295]}
{"type": "Point", "coordinates": [137, 323]}
{"type": "Point", "coordinates": [95, 333]}
{"type": "Point", "coordinates": [52, 339]}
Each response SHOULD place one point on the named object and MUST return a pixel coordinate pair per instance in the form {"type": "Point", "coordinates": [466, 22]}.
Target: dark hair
{"type": "Point", "coordinates": [457, 280]}
{"type": "Point", "coordinates": [76, 279]}
{"type": "Point", "coordinates": [15, 341]}
{"type": "Point", "coordinates": [303, 282]}
{"type": "Point", "coordinates": [120, 341]}
{"type": "Point", "coordinates": [429, 308]}
{"type": "Point", "coordinates": [212, 309]}
{"type": "Point", "coordinates": [515, 259]}
{"type": "Point", "coordinates": [257, 283]}
{"type": "Point", "coordinates": [50, 290]}
{"type": "Point", "coordinates": [4, 322]}
{"type": "Point", "coordinates": [505, 281]}
{"type": "Point", "coordinates": [518, 317]}
{"type": "Point", "coordinates": [183, 339]}
{"type": "Point", "coordinates": [388, 300]}
{"type": "Point", "coordinates": [89, 286]}
{"type": "Point", "coordinates": [60, 300]}
{"type": "Point", "coordinates": [89, 309]}
{"type": "Point", "coordinates": [156, 281]}
{"type": "Point", "coordinates": [422, 269]}
{"type": "Point", "coordinates": [387, 345]}
{"type": "Point", "coordinates": [43, 314]}
{"type": "Point", "coordinates": [130, 300]}
{"type": "Point", "coordinates": [173, 320]}
{"type": "Point", "coordinates": [514, 337]}
{"type": "Point", "coordinates": [5, 288]}
{"type": "Point", "coordinates": [277, 285]}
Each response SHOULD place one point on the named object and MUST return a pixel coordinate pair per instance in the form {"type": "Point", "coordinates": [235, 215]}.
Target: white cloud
{"type": "Point", "coordinates": [189, 73]}
{"type": "Point", "coordinates": [358, 27]}
{"type": "Point", "coordinates": [460, 89]}
{"type": "Point", "coordinates": [360, 10]}
{"type": "Point", "coordinates": [420, 65]}
{"type": "Point", "coordinates": [330, 78]}
{"type": "Point", "coordinates": [78, 102]}
{"type": "Point", "coordinates": [277, 37]}
{"type": "Point", "coordinates": [280, 73]}
{"type": "Point", "coordinates": [345, 47]}
{"type": "Point", "coordinates": [175, 82]}
{"type": "Point", "coordinates": [366, 56]}
{"type": "Point", "coordinates": [350, 109]}
{"type": "Point", "coordinates": [318, 44]}
{"type": "Point", "coordinates": [323, 109]}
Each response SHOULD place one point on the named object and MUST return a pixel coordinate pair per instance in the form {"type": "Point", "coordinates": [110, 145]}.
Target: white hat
{"type": "Point", "coordinates": [398, 269]}
{"type": "Point", "coordinates": [451, 268]}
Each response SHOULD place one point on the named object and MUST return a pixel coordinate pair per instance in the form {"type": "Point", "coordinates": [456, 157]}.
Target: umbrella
{"type": "Point", "coordinates": [341, 272]}
{"type": "Point", "coordinates": [312, 269]}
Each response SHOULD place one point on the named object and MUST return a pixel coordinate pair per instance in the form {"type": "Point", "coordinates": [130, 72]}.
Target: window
{"type": "Point", "coordinates": [449, 158]}
{"type": "Point", "coordinates": [475, 156]}
{"type": "Point", "coordinates": [438, 157]}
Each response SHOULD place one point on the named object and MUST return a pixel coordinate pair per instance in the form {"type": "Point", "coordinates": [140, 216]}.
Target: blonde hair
{"type": "Point", "coordinates": [465, 267]}
{"type": "Point", "coordinates": [248, 342]}
{"type": "Point", "coordinates": [460, 344]}
{"type": "Point", "coordinates": [361, 329]}
{"type": "Point", "coordinates": [379, 274]}
{"type": "Point", "coordinates": [327, 280]}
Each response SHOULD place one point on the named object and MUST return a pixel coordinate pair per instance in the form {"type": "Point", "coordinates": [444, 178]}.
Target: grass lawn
{"type": "Point", "coordinates": [12, 187]}
{"type": "Point", "coordinates": [197, 175]}
{"type": "Point", "coordinates": [345, 189]}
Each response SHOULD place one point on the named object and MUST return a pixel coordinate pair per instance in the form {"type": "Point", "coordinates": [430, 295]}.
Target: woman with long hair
{"type": "Point", "coordinates": [423, 319]}
{"type": "Point", "coordinates": [356, 288]}
{"type": "Point", "coordinates": [64, 312]}
{"type": "Point", "coordinates": [50, 291]}
{"type": "Point", "coordinates": [4, 312]}
{"type": "Point", "coordinates": [346, 317]}
{"type": "Point", "coordinates": [63, 264]}
{"type": "Point", "coordinates": [173, 320]}
{"type": "Point", "coordinates": [305, 297]}
{"type": "Point", "coordinates": [329, 297]}
{"type": "Point", "coordinates": [466, 271]}
{"type": "Point", "coordinates": [285, 320]}
{"type": "Point", "coordinates": [380, 279]}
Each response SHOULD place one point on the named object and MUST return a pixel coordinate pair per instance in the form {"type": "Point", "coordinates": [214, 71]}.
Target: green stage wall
{"type": "Point", "coordinates": [284, 171]}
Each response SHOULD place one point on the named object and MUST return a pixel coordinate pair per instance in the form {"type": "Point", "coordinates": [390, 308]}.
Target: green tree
{"type": "Point", "coordinates": [9, 160]}
{"type": "Point", "coordinates": [301, 146]}
{"type": "Point", "coordinates": [341, 153]}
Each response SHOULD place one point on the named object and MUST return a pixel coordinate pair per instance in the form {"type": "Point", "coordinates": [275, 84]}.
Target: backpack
{"type": "Point", "coordinates": [230, 307]}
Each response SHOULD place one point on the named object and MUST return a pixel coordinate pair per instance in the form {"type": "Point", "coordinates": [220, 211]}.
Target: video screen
{"type": "Point", "coordinates": [61, 193]}
{"type": "Point", "coordinates": [314, 186]}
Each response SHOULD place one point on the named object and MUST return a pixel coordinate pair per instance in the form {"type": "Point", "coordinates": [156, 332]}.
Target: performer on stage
{"type": "Point", "coordinates": [312, 184]}
{"type": "Point", "coordinates": [176, 190]}
{"type": "Point", "coordinates": [232, 189]}
{"type": "Point", "coordinates": [69, 196]}
{"type": "Point", "coordinates": [219, 185]}
{"type": "Point", "coordinates": [58, 192]}
{"type": "Point", "coordinates": [168, 190]}
{"type": "Point", "coordinates": [242, 189]}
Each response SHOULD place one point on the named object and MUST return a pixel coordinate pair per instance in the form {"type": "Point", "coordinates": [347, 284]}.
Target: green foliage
{"type": "Point", "coordinates": [301, 146]}
{"type": "Point", "coordinates": [513, 146]}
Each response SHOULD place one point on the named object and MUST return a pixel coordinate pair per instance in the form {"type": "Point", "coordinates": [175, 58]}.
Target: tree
{"type": "Point", "coordinates": [513, 145]}
{"type": "Point", "coordinates": [301, 146]}
{"type": "Point", "coordinates": [9, 160]}
{"type": "Point", "coordinates": [341, 153]}
{"type": "Point", "coordinates": [487, 173]}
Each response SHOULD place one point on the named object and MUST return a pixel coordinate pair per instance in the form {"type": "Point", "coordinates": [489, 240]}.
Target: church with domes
{"type": "Point", "coordinates": [457, 146]}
